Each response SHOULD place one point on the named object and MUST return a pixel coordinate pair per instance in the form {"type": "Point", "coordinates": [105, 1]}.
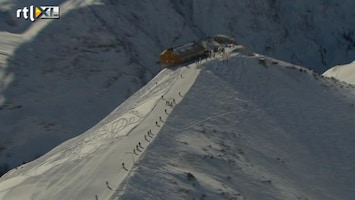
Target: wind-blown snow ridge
{"type": "Point", "coordinates": [249, 129]}
{"type": "Point", "coordinates": [116, 136]}
{"type": "Point", "coordinates": [246, 127]}
{"type": "Point", "coordinates": [100, 47]}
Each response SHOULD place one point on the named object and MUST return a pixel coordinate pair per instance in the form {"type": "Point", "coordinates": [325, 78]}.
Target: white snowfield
{"type": "Point", "coordinates": [54, 72]}
{"type": "Point", "coordinates": [344, 73]}
{"type": "Point", "coordinates": [93, 161]}
{"type": "Point", "coordinates": [242, 126]}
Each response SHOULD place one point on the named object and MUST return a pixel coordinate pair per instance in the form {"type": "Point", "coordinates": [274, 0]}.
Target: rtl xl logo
{"type": "Point", "coordinates": [34, 12]}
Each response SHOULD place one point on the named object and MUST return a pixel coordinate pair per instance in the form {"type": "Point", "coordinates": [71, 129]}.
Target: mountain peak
{"type": "Point", "coordinates": [242, 126]}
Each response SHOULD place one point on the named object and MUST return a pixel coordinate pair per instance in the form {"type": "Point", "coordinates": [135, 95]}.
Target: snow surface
{"type": "Point", "coordinates": [94, 51]}
{"type": "Point", "coordinates": [59, 77]}
{"type": "Point", "coordinates": [103, 147]}
{"type": "Point", "coordinates": [344, 73]}
{"type": "Point", "coordinates": [243, 126]}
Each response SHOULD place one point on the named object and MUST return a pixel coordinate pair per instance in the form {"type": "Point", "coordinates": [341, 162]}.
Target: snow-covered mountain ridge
{"type": "Point", "coordinates": [243, 128]}
{"type": "Point", "coordinates": [100, 52]}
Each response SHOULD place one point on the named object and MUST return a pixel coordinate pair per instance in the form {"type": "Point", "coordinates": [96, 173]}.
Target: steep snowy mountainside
{"type": "Point", "coordinates": [249, 127]}
{"type": "Point", "coordinates": [102, 157]}
{"type": "Point", "coordinates": [344, 73]}
{"type": "Point", "coordinates": [100, 52]}
{"type": "Point", "coordinates": [45, 90]}
{"type": "Point", "coordinates": [252, 128]}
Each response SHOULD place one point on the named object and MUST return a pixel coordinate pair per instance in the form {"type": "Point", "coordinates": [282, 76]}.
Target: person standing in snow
{"type": "Point", "coordinates": [108, 186]}
{"type": "Point", "coordinates": [146, 139]}
{"type": "Point", "coordinates": [137, 148]}
{"type": "Point", "coordinates": [150, 134]}
{"type": "Point", "coordinates": [124, 167]}
{"type": "Point", "coordinates": [140, 145]}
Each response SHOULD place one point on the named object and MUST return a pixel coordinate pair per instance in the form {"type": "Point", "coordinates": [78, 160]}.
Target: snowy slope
{"type": "Point", "coordinates": [100, 151]}
{"type": "Point", "coordinates": [59, 77]}
{"type": "Point", "coordinates": [344, 73]}
{"type": "Point", "coordinates": [242, 128]}
{"type": "Point", "coordinates": [49, 93]}
{"type": "Point", "coordinates": [249, 128]}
